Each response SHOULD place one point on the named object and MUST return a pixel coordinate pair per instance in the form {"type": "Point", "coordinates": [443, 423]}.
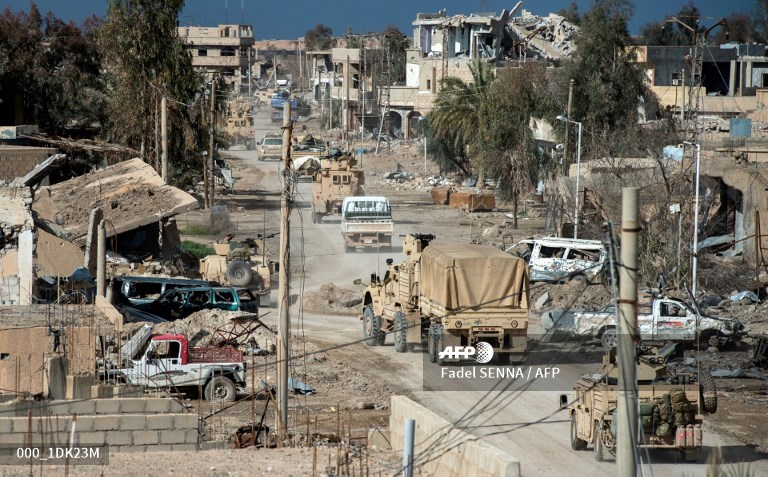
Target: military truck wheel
{"type": "Point", "coordinates": [239, 273]}
{"type": "Point", "coordinates": [399, 334]}
{"type": "Point", "coordinates": [576, 443]}
{"type": "Point", "coordinates": [609, 338]}
{"type": "Point", "coordinates": [220, 388]}
{"type": "Point", "coordinates": [371, 327]}
{"type": "Point", "coordinates": [708, 393]}
{"type": "Point", "coordinates": [598, 447]}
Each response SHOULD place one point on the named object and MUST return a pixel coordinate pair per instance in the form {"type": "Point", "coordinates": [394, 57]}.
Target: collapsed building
{"type": "Point", "coordinates": [49, 231]}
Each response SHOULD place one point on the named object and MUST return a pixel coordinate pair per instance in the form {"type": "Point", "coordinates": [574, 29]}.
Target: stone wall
{"type": "Point", "coordinates": [17, 161]}
{"type": "Point", "coordinates": [125, 424]}
{"type": "Point", "coordinates": [443, 450]}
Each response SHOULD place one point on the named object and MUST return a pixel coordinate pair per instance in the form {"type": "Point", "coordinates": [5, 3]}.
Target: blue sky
{"type": "Point", "coordinates": [290, 19]}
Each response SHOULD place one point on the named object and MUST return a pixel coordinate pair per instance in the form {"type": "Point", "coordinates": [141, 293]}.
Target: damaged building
{"type": "Point", "coordinates": [49, 231]}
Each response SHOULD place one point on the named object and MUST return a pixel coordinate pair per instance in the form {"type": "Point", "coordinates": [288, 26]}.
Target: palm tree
{"type": "Point", "coordinates": [458, 107]}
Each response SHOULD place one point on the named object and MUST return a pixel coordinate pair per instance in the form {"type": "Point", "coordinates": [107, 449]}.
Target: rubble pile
{"type": "Point", "coordinates": [552, 30]}
{"type": "Point", "coordinates": [331, 298]}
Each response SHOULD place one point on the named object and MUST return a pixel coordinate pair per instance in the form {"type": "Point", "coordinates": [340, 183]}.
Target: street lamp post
{"type": "Point", "coordinates": [695, 220]}
{"type": "Point", "coordinates": [578, 174]}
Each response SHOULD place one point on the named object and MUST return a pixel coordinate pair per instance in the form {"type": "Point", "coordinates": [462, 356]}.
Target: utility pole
{"type": "Point", "coordinates": [566, 149]}
{"type": "Point", "coordinates": [346, 121]}
{"type": "Point", "coordinates": [164, 138]}
{"type": "Point", "coordinates": [699, 37]}
{"type": "Point", "coordinates": [211, 138]}
{"type": "Point", "coordinates": [626, 441]}
{"type": "Point", "coordinates": [284, 328]}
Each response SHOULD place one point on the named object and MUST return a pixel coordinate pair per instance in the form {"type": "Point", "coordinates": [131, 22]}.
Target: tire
{"type": "Point", "coordinates": [708, 339]}
{"type": "Point", "coordinates": [580, 279]}
{"type": "Point", "coordinates": [317, 218]}
{"type": "Point", "coordinates": [371, 327]}
{"type": "Point", "coordinates": [708, 393]}
{"type": "Point", "coordinates": [400, 332]}
{"type": "Point", "coordinates": [609, 338]}
{"type": "Point", "coordinates": [239, 273]}
{"type": "Point", "coordinates": [220, 388]}
{"type": "Point", "coordinates": [598, 448]}
{"type": "Point", "coordinates": [576, 443]}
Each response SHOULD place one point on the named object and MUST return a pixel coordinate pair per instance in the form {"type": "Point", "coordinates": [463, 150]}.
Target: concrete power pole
{"type": "Point", "coordinates": [211, 138]}
{"type": "Point", "coordinates": [164, 138]}
{"type": "Point", "coordinates": [626, 441]}
{"type": "Point", "coordinates": [284, 328]}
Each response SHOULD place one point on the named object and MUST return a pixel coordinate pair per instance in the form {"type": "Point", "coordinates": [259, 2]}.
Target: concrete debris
{"type": "Point", "coordinates": [744, 296]}
{"type": "Point", "coordinates": [549, 37]}
{"type": "Point", "coordinates": [331, 298]}
{"type": "Point", "coordinates": [542, 301]}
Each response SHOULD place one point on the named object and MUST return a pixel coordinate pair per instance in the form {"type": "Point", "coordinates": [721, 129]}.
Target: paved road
{"type": "Point", "coordinates": [524, 424]}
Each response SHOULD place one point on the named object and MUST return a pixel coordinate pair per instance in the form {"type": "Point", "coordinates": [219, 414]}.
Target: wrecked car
{"type": "Point", "coordinates": [182, 302]}
{"type": "Point", "coordinates": [664, 319]}
{"type": "Point", "coordinates": [139, 290]}
{"type": "Point", "coordinates": [555, 259]}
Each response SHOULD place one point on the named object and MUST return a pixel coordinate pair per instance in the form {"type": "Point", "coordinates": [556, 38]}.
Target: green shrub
{"type": "Point", "coordinates": [197, 249]}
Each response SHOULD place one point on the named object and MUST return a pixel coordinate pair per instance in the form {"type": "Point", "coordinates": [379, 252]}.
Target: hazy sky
{"type": "Point", "coordinates": [290, 19]}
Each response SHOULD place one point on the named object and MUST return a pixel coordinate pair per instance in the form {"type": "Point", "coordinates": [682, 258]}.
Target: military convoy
{"type": "Point", "coordinates": [456, 294]}
{"type": "Point", "coordinates": [672, 405]}
{"type": "Point", "coordinates": [338, 177]}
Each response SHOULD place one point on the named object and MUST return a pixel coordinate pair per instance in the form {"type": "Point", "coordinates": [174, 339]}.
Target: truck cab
{"type": "Point", "coordinates": [366, 221]}
{"type": "Point", "coordinates": [167, 361]}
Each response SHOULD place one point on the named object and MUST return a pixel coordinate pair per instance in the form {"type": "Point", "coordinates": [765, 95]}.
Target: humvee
{"type": "Point", "coordinates": [455, 294]}
{"type": "Point", "coordinates": [337, 178]}
{"type": "Point", "coordinates": [672, 405]}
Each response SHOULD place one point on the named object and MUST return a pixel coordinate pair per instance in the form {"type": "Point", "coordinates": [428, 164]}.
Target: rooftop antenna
{"type": "Point", "coordinates": [242, 13]}
{"type": "Point", "coordinates": [226, 5]}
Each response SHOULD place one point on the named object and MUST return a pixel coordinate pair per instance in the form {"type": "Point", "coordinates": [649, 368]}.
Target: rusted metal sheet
{"type": "Point", "coordinates": [472, 201]}
{"type": "Point", "coordinates": [440, 195]}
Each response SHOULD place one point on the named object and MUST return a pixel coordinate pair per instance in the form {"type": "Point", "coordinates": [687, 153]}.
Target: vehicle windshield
{"type": "Point", "coordinates": [273, 141]}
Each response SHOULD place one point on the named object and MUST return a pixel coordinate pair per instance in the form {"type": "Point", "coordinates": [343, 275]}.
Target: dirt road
{"type": "Point", "coordinates": [525, 424]}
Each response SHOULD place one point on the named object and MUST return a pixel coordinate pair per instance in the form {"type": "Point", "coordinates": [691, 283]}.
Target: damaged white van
{"type": "Point", "coordinates": [555, 259]}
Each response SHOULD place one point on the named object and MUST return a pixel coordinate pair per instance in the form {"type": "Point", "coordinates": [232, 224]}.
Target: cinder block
{"type": "Point", "coordinates": [91, 438]}
{"type": "Point", "coordinates": [175, 406]}
{"type": "Point", "coordinates": [58, 408]}
{"type": "Point", "coordinates": [101, 392]}
{"type": "Point", "coordinates": [133, 423]}
{"type": "Point", "coordinates": [157, 405]}
{"type": "Point", "coordinates": [184, 447]}
{"type": "Point", "coordinates": [160, 448]}
{"type": "Point", "coordinates": [12, 438]}
{"type": "Point", "coordinates": [173, 437]}
{"type": "Point", "coordinates": [145, 438]}
{"type": "Point", "coordinates": [185, 421]}
{"type": "Point", "coordinates": [84, 423]}
{"type": "Point", "coordinates": [108, 406]}
{"type": "Point", "coordinates": [131, 405]}
{"type": "Point", "coordinates": [160, 421]}
{"type": "Point", "coordinates": [87, 406]}
{"type": "Point", "coordinates": [119, 438]}
{"type": "Point", "coordinates": [192, 437]}
{"type": "Point", "coordinates": [21, 424]}
{"type": "Point", "coordinates": [6, 424]}
{"type": "Point", "coordinates": [106, 423]}
{"type": "Point", "coordinates": [132, 449]}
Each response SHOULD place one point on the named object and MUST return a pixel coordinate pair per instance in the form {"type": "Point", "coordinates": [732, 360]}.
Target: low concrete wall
{"type": "Point", "coordinates": [442, 450]}
{"type": "Point", "coordinates": [126, 425]}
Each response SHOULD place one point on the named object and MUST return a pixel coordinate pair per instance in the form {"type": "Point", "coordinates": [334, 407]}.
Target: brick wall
{"type": "Point", "coordinates": [126, 424]}
{"type": "Point", "coordinates": [18, 161]}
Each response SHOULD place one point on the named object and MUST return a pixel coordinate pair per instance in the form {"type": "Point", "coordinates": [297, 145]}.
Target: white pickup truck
{"type": "Point", "coordinates": [366, 221]}
{"type": "Point", "coordinates": [167, 361]}
{"type": "Point", "coordinates": [664, 319]}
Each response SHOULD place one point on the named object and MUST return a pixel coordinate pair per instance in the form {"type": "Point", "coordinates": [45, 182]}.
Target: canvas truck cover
{"type": "Point", "coordinates": [474, 276]}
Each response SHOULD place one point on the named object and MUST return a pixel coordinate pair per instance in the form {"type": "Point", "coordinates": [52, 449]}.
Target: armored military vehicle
{"type": "Point", "coordinates": [672, 405]}
{"type": "Point", "coordinates": [338, 177]}
{"type": "Point", "coordinates": [456, 294]}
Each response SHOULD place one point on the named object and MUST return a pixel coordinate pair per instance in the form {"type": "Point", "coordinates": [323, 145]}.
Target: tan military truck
{"type": "Point", "coordinates": [672, 406]}
{"type": "Point", "coordinates": [456, 294]}
{"type": "Point", "coordinates": [337, 178]}
{"type": "Point", "coordinates": [241, 264]}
